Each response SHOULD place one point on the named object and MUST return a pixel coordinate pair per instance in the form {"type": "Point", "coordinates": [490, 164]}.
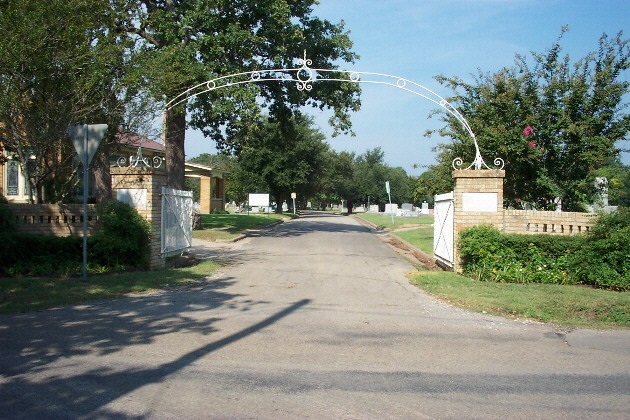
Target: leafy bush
{"type": "Point", "coordinates": [604, 259]}
{"type": "Point", "coordinates": [600, 258]}
{"type": "Point", "coordinates": [122, 242]}
{"type": "Point", "coordinates": [39, 255]}
{"type": "Point", "coordinates": [7, 218]}
{"type": "Point", "coordinates": [123, 239]}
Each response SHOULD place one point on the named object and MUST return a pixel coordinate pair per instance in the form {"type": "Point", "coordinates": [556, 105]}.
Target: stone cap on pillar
{"type": "Point", "coordinates": [478, 173]}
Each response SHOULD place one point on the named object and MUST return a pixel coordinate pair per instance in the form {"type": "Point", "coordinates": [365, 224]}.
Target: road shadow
{"type": "Point", "coordinates": [30, 342]}
{"type": "Point", "coordinates": [310, 222]}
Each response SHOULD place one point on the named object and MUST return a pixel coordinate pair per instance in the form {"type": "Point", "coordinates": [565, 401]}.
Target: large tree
{"type": "Point", "coordinates": [282, 157]}
{"type": "Point", "coordinates": [59, 65]}
{"type": "Point", "coordinates": [185, 42]}
{"type": "Point", "coordinates": [554, 122]}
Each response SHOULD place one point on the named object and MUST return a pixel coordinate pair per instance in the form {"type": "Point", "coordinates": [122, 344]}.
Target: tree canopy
{"type": "Point", "coordinates": [185, 42]}
{"type": "Point", "coordinates": [555, 122]}
{"type": "Point", "coordinates": [59, 65]}
{"type": "Point", "coordinates": [282, 157]}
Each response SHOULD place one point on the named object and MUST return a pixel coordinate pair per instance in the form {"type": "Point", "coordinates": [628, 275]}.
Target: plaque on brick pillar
{"type": "Point", "coordinates": [479, 201]}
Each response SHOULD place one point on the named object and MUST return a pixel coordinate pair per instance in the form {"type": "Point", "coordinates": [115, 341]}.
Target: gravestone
{"type": "Point", "coordinates": [425, 208]}
{"type": "Point", "coordinates": [391, 208]}
{"type": "Point", "coordinates": [373, 208]}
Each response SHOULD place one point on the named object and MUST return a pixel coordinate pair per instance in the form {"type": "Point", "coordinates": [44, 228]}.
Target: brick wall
{"type": "Point", "coordinates": [53, 219]}
{"type": "Point", "coordinates": [550, 222]}
{"type": "Point", "coordinates": [478, 200]}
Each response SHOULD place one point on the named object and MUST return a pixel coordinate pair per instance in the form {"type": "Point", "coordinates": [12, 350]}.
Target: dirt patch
{"type": "Point", "coordinates": [423, 258]}
{"type": "Point", "coordinates": [182, 261]}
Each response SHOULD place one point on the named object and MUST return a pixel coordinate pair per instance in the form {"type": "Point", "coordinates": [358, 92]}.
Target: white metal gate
{"type": "Point", "coordinates": [176, 221]}
{"type": "Point", "coordinates": [443, 227]}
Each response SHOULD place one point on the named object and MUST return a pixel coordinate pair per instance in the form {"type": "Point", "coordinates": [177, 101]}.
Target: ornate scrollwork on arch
{"type": "Point", "coordinates": [304, 76]}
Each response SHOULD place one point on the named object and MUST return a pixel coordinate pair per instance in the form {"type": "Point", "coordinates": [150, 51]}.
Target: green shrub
{"type": "Point", "coordinates": [489, 255]}
{"type": "Point", "coordinates": [7, 218]}
{"type": "Point", "coordinates": [604, 259]}
{"type": "Point", "coordinates": [123, 239]}
{"type": "Point", "coordinates": [600, 258]}
{"type": "Point", "coordinates": [39, 255]}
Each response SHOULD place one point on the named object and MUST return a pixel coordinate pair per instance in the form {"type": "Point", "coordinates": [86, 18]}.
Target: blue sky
{"type": "Point", "coordinates": [419, 39]}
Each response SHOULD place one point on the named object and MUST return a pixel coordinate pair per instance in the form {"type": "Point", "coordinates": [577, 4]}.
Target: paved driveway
{"type": "Point", "coordinates": [315, 320]}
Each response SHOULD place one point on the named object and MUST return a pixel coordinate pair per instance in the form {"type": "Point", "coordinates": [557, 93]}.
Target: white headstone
{"type": "Point", "coordinates": [391, 208]}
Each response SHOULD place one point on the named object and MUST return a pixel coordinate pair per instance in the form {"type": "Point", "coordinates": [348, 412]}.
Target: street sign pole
{"type": "Point", "coordinates": [390, 199]}
{"type": "Point", "coordinates": [86, 139]}
{"type": "Point", "coordinates": [85, 159]}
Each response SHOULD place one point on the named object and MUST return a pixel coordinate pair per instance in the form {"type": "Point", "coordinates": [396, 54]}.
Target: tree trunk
{"type": "Point", "coordinates": [102, 189]}
{"type": "Point", "coordinates": [175, 129]}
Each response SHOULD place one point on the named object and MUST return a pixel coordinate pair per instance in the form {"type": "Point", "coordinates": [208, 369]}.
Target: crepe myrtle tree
{"type": "Point", "coordinates": [554, 122]}
{"type": "Point", "coordinates": [186, 42]}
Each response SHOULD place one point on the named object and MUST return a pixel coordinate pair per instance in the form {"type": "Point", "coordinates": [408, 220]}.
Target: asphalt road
{"type": "Point", "coordinates": [315, 320]}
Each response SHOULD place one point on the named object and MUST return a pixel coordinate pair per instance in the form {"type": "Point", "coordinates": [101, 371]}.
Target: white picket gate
{"type": "Point", "coordinates": [443, 229]}
{"type": "Point", "coordinates": [177, 209]}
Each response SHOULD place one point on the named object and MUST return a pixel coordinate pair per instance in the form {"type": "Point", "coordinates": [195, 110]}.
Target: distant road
{"type": "Point", "coordinates": [315, 320]}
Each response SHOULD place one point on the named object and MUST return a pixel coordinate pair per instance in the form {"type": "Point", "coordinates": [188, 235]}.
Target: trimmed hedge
{"type": "Point", "coordinates": [600, 258]}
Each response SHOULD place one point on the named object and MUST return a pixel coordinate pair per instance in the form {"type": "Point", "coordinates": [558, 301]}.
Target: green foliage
{"type": "Point", "coordinates": [575, 110]}
{"type": "Point", "coordinates": [7, 218]}
{"type": "Point", "coordinates": [122, 242]}
{"type": "Point", "coordinates": [58, 67]}
{"type": "Point", "coordinates": [358, 179]}
{"type": "Point", "coordinates": [599, 259]}
{"type": "Point", "coordinates": [618, 178]}
{"type": "Point", "coordinates": [436, 180]}
{"type": "Point", "coordinates": [185, 43]}
{"type": "Point", "coordinates": [604, 259]}
{"type": "Point", "coordinates": [39, 255]}
{"type": "Point", "coordinates": [282, 157]}
{"type": "Point", "coordinates": [583, 307]}
{"type": "Point", "coordinates": [123, 239]}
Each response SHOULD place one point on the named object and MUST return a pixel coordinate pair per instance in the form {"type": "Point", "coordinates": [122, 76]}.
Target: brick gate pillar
{"type": "Point", "coordinates": [478, 200]}
{"type": "Point", "coordinates": [142, 189]}
{"type": "Point", "coordinates": [205, 194]}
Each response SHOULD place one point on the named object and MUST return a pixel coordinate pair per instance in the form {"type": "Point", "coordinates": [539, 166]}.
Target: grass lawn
{"type": "Point", "coordinates": [35, 293]}
{"type": "Point", "coordinates": [563, 305]}
{"type": "Point", "coordinates": [229, 226]}
{"type": "Point", "coordinates": [385, 221]}
{"type": "Point", "coordinates": [421, 238]}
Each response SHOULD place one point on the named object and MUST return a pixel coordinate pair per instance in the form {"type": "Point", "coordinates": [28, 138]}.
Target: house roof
{"type": "Point", "coordinates": [136, 140]}
{"type": "Point", "coordinates": [193, 169]}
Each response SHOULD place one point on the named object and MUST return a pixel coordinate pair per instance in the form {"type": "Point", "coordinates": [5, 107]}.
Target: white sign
{"type": "Point", "coordinates": [258, 200]}
{"type": "Point", "coordinates": [387, 186]}
{"type": "Point", "coordinates": [484, 202]}
{"type": "Point", "coordinates": [293, 196]}
{"type": "Point", "coordinates": [135, 197]}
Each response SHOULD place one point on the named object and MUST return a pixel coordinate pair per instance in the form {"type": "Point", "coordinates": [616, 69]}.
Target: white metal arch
{"type": "Point", "coordinates": [304, 76]}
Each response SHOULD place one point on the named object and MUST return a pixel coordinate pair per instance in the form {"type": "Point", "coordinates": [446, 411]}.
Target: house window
{"type": "Point", "coordinates": [13, 176]}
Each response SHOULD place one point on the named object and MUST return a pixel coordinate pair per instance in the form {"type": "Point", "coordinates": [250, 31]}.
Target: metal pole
{"type": "Point", "coordinates": [85, 193]}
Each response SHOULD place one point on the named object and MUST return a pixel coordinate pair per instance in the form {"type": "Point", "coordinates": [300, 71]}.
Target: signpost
{"type": "Point", "coordinates": [390, 199]}
{"type": "Point", "coordinates": [293, 196]}
{"type": "Point", "coordinates": [86, 139]}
